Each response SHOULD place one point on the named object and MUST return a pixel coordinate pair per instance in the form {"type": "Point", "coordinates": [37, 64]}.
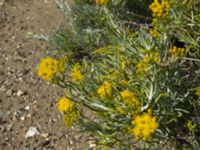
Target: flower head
{"type": "Point", "coordinates": [191, 125]}
{"type": "Point", "coordinates": [130, 100]}
{"type": "Point", "coordinates": [70, 117]}
{"type": "Point", "coordinates": [102, 2]}
{"type": "Point", "coordinates": [197, 91]}
{"type": "Point", "coordinates": [143, 66]}
{"type": "Point", "coordinates": [144, 126]}
{"type": "Point", "coordinates": [65, 105]}
{"type": "Point", "coordinates": [105, 90]}
{"type": "Point", "coordinates": [154, 32]}
{"type": "Point", "coordinates": [159, 9]}
{"type": "Point", "coordinates": [49, 67]}
{"type": "Point", "coordinates": [76, 73]}
{"type": "Point", "coordinates": [177, 52]}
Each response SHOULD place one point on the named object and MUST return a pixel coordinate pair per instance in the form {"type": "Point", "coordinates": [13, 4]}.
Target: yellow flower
{"type": "Point", "coordinates": [155, 22]}
{"type": "Point", "coordinates": [70, 117]}
{"type": "Point", "coordinates": [144, 126]}
{"type": "Point", "coordinates": [177, 52]}
{"type": "Point", "coordinates": [197, 91]}
{"type": "Point", "coordinates": [61, 64]}
{"type": "Point", "coordinates": [191, 125]}
{"type": "Point", "coordinates": [65, 105]}
{"type": "Point", "coordinates": [105, 90]}
{"type": "Point", "coordinates": [143, 66]}
{"type": "Point", "coordinates": [155, 33]}
{"type": "Point", "coordinates": [76, 73]}
{"type": "Point", "coordinates": [127, 94]}
{"type": "Point", "coordinates": [49, 67]}
{"type": "Point", "coordinates": [130, 100]}
{"type": "Point", "coordinates": [146, 134]}
{"type": "Point", "coordinates": [159, 9]}
{"type": "Point", "coordinates": [136, 132]}
{"type": "Point", "coordinates": [102, 2]}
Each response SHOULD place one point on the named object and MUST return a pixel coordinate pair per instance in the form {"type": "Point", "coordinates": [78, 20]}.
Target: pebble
{"type": "Point", "coordinates": [19, 93]}
{"type": "Point", "coordinates": [22, 118]}
{"type": "Point", "coordinates": [27, 107]}
{"type": "Point", "coordinates": [44, 135]}
{"type": "Point", "coordinates": [2, 88]}
{"type": "Point", "coordinates": [32, 131]}
{"type": "Point", "coordinates": [71, 142]}
{"type": "Point", "coordinates": [2, 2]}
{"type": "Point", "coordinates": [92, 144]}
{"type": "Point", "coordinates": [9, 127]}
{"type": "Point", "coordinates": [45, 1]}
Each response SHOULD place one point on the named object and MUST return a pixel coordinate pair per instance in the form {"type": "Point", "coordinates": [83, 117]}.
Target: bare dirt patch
{"type": "Point", "coordinates": [25, 100]}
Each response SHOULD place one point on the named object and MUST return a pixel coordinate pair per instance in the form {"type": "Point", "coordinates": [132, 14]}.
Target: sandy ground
{"type": "Point", "coordinates": [25, 100]}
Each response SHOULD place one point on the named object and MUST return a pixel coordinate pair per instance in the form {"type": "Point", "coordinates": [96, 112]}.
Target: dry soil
{"type": "Point", "coordinates": [25, 100]}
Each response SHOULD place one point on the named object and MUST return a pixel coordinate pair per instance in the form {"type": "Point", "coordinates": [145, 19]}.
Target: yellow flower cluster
{"type": "Point", "coordinates": [76, 74]}
{"type": "Point", "coordinates": [144, 126]}
{"type": "Point", "coordinates": [197, 17]}
{"type": "Point", "coordinates": [154, 32]}
{"type": "Point", "coordinates": [49, 67]}
{"type": "Point", "coordinates": [191, 125]}
{"type": "Point", "coordinates": [102, 2]}
{"type": "Point", "coordinates": [105, 90]}
{"type": "Point", "coordinates": [177, 52]}
{"type": "Point", "coordinates": [70, 117]}
{"type": "Point", "coordinates": [130, 99]}
{"type": "Point", "coordinates": [65, 105]}
{"type": "Point", "coordinates": [143, 65]}
{"type": "Point", "coordinates": [159, 9]}
{"type": "Point", "coordinates": [197, 91]}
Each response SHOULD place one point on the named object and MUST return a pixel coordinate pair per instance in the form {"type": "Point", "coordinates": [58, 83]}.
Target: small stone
{"type": "Point", "coordinates": [44, 135]}
{"type": "Point", "coordinates": [71, 142]}
{"type": "Point", "coordinates": [32, 131]}
{"type": "Point", "coordinates": [13, 37]}
{"type": "Point", "coordinates": [2, 88]}
{"type": "Point", "coordinates": [77, 137]}
{"type": "Point", "coordinates": [28, 18]}
{"type": "Point", "coordinates": [19, 93]}
{"type": "Point", "coordinates": [22, 118]}
{"type": "Point", "coordinates": [92, 144]}
{"type": "Point", "coordinates": [2, 129]}
{"type": "Point", "coordinates": [35, 102]}
{"type": "Point", "coordinates": [2, 2]}
{"type": "Point", "coordinates": [27, 107]}
{"type": "Point", "coordinates": [9, 127]}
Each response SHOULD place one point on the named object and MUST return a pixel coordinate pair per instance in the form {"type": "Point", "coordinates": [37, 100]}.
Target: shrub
{"type": "Point", "coordinates": [139, 87]}
{"type": "Point", "coordinates": [88, 27]}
